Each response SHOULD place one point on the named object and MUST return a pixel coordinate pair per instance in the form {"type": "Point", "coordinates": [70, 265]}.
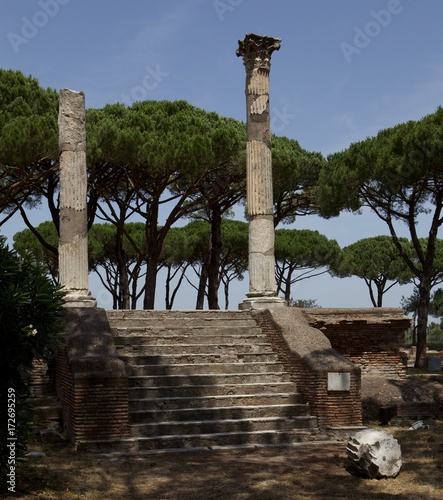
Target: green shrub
{"type": "Point", "coordinates": [30, 326]}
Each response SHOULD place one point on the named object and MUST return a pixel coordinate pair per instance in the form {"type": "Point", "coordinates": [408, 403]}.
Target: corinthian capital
{"type": "Point", "coordinates": [256, 51]}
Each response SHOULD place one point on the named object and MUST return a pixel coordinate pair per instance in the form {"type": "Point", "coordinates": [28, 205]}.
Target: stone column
{"type": "Point", "coordinates": [73, 246]}
{"type": "Point", "coordinates": [256, 51]}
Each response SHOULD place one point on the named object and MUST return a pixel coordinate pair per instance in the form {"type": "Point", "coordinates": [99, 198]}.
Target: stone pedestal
{"type": "Point", "coordinates": [261, 302]}
{"type": "Point", "coordinates": [73, 247]}
{"type": "Point", "coordinates": [256, 51]}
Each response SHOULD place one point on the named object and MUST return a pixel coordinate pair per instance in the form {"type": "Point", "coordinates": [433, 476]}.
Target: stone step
{"type": "Point", "coordinates": [158, 314]}
{"type": "Point", "coordinates": [44, 400]}
{"type": "Point", "coordinates": [223, 426]}
{"type": "Point", "coordinates": [194, 349]}
{"type": "Point", "coordinates": [203, 379]}
{"type": "Point", "coordinates": [49, 413]}
{"type": "Point", "coordinates": [182, 324]}
{"type": "Point", "coordinates": [209, 358]}
{"type": "Point", "coordinates": [207, 379]}
{"type": "Point", "coordinates": [198, 441]}
{"type": "Point", "coordinates": [204, 368]}
{"type": "Point", "coordinates": [152, 332]}
{"type": "Point", "coordinates": [40, 390]}
{"type": "Point", "coordinates": [176, 402]}
{"type": "Point", "coordinates": [218, 413]}
{"type": "Point", "coordinates": [209, 390]}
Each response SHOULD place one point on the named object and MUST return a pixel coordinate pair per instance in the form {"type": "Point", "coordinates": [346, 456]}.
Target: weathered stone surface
{"type": "Point", "coordinates": [433, 363]}
{"type": "Point", "coordinates": [185, 395]}
{"type": "Point", "coordinates": [259, 180]}
{"type": "Point", "coordinates": [90, 346]}
{"type": "Point", "coordinates": [309, 343]}
{"type": "Point", "coordinates": [371, 338]}
{"type": "Point", "coordinates": [375, 453]}
{"type": "Point", "coordinates": [256, 51]}
{"type": "Point", "coordinates": [73, 247]}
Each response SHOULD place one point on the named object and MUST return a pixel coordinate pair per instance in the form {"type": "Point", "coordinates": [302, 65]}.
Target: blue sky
{"type": "Point", "coordinates": [345, 70]}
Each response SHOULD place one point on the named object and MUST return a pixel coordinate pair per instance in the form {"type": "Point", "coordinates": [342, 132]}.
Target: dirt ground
{"type": "Point", "coordinates": [315, 471]}
{"type": "Point", "coordinates": [379, 391]}
{"type": "Point", "coordinates": [320, 471]}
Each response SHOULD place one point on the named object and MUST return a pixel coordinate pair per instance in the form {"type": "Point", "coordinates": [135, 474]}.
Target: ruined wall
{"type": "Point", "coordinates": [91, 381]}
{"type": "Point", "coordinates": [307, 355]}
{"type": "Point", "coordinates": [370, 338]}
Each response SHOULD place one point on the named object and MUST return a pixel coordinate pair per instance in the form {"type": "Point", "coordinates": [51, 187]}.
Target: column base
{"type": "Point", "coordinates": [79, 299]}
{"type": "Point", "coordinates": [262, 302]}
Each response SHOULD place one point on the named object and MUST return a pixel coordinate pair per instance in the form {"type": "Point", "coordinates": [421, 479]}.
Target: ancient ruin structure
{"type": "Point", "coordinates": [148, 380]}
{"type": "Point", "coordinates": [73, 247]}
{"type": "Point", "coordinates": [256, 51]}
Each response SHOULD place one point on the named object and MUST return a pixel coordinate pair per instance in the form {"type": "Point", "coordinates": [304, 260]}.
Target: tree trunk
{"type": "Point", "coordinates": [201, 293]}
{"type": "Point", "coordinates": [424, 295]}
{"type": "Point", "coordinates": [226, 288]}
{"type": "Point", "coordinates": [122, 271]}
{"type": "Point", "coordinates": [380, 290]}
{"type": "Point", "coordinates": [287, 282]}
{"type": "Point", "coordinates": [150, 282]}
{"type": "Point", "coordinates": [168, 304]}
{"type": "Point", "coordinates": [135, 278]}
{"type": "Point", "coordinates": [214, 259]}
{"type": "Point", "coordinates": [153, 254]}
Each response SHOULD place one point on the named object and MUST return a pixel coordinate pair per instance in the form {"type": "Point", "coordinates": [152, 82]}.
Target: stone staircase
{"type": "Point", "coordinates": [205, 379]}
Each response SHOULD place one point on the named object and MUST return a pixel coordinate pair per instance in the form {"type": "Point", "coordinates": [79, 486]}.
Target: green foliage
{"type": "Point", "coordinates": [383, 171]}
{"type": "Point", "coordinates": [27, 245]}
{"type": "Point", "coordinates": [198, 236]}
{"type": "Point", "coordinates": [399, 175]}
{"type": "Point", "coordinates": [435, 335]}
{"type": "Point", "coordinates": [303, 303]}
{"type": "Point", "coordinates": [235, 246]}
{"type": "Point", "coordinates": [377, 261]}
{"type": "Point", "coordinates": [28, 136]}
{"type": "Point", "coordinates": [158, 137]}
{"type": "Point", "coordinates": [305, 252]}
{"type": "Point", "coordinates": [162, 152]}
{"type": "Point", "coordinates": [436, 305]}
{"type": "Point", "coordinates": [295, 174]}
{"type": "Point", "coordinates": [30, 313]}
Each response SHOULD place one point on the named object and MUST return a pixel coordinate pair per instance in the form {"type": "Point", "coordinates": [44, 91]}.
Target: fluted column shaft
{"type": "Point", "coordinates": [73, 246]}
{"type": "Point", "coordinates": [256, 51]}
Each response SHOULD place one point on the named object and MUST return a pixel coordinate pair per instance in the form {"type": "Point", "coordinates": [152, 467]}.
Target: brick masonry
{"type": "Point", "coordinates": [91, 381]}
{"type": "Point", "coordinates": [93, 386]}
{"type": "Point", "coordinates": [332, 408]}
{"type": "Point", "coordinates": [370, 338]}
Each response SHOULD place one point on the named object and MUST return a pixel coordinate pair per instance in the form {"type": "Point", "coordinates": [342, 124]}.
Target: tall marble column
{"type": "Point", "coordinates": [73, 246]}
{"type": "Point", "coordinates": [256, 51]}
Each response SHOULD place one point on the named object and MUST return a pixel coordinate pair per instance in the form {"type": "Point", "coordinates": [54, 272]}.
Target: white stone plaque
{"type": "Point", "coordinates": [338, 381]}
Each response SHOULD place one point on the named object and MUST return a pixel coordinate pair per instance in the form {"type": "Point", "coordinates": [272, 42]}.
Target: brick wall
{"type": "Point", "coordinates": [42, 377]}
{"type": "Point", "coordinates": [64, 384]}
{"type": "Point", "coordinates": [370, 338]}
{"type": "Point", "coordinates": [91, 380]}
{"type": "Point", "coordinates": [332, 408]}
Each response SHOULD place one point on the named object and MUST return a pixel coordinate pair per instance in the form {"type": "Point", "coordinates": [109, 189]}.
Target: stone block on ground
{"type": "Point", "coordinates": [375, 453]}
